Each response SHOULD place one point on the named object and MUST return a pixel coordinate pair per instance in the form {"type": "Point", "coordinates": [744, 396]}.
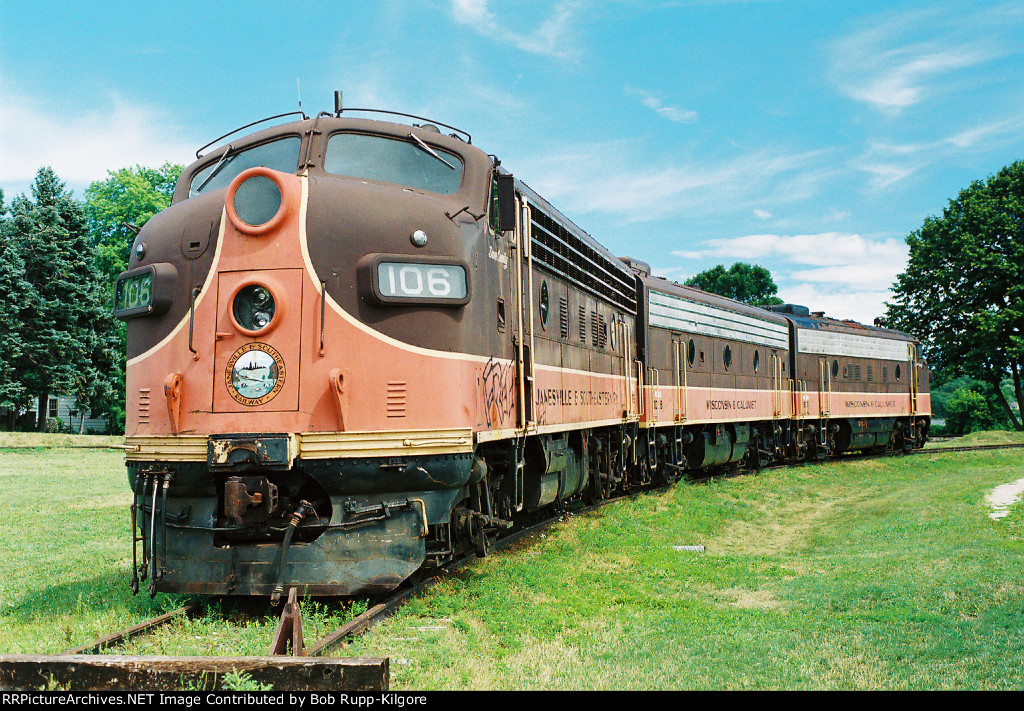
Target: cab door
{"type": "Point", "coordinates": [679, 356]}
{"type": "Point", "coordinates": [824, 388]}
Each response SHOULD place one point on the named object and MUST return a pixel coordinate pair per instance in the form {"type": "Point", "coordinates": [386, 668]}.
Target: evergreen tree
{"type": "Point", "coordinates": [69, 347]}
{"type": "Point", "coordinates": [18, 306]}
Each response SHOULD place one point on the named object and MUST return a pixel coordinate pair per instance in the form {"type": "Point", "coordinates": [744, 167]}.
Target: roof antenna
{"type": "Point", "coordinates": [298, 89]}
{"type": "Point", "coordinates": [337, 103]}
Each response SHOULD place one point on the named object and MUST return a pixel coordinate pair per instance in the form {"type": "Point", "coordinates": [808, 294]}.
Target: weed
{"type": "Point", "coordinates": [242, 681]}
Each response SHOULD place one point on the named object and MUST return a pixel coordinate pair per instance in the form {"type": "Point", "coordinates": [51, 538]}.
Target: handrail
{"type": "Point", "coordinates": [250, 125]}
{"type": "Point", "coordinates": [469, 139]}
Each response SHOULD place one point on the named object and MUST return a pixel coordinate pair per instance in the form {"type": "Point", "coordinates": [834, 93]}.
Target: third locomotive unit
{"type": "Point", "coordinates": [358, 348]}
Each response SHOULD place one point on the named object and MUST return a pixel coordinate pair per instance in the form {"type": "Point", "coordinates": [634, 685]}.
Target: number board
{"type": "Point", "coordinates": [420, 282]}
{"type": "Point", "coordinates": [144, 290]}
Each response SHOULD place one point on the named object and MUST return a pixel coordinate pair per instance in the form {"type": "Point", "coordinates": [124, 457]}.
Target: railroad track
{"type": "Point", "coordinates": [968, 448]}
{"type": "Point", "coordinates": [391, 604]}
{"type": "Point", "coordinates": [291, 618]}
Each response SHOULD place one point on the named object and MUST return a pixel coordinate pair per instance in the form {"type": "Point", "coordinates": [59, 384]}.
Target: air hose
{"type": "Point", "coordinates": [297, 517]}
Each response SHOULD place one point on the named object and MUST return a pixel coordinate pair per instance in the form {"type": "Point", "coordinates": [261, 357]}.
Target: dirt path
{"type": "Point", "coordinates": [1003, 497]}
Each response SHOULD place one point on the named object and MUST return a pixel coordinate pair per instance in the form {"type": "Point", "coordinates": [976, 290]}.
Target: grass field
{"type": "Point", "coordinates": [871, 574]}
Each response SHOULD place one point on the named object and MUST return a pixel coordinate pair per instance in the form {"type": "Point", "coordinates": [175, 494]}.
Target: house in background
{"type": "Point", "coordinates": [62, 408]}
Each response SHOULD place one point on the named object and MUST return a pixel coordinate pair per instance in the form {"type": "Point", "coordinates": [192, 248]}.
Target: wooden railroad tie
{"type": "Point", "coordinates": [119, 672]}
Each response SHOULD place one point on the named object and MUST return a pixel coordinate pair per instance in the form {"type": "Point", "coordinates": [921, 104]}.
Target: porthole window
{"type": "Point", "coordinates": [835, 369]}
{"type": "Point", "coordinates": [691, 352]}
{"type": "Point", "coordinates": [544, 306]}
{"type": "Point", "coordinates": [897, 372]}
{"type": "Point", "coordinates": [757, 360]}
{"type": "Point", "coordinates": [727, 357]}
{"type": "Point", "coordinates": [257, 200]}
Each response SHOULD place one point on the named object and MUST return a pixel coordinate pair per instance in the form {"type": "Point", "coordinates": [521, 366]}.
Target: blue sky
{"type": "Point", "coordinates": [810, 137]}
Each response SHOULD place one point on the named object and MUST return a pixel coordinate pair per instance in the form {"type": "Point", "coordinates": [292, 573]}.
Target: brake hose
{"type": "Point", "coordinates": [297, 517]}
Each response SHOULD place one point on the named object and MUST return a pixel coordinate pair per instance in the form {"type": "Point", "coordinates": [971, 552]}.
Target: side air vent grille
{"type": "Point", "coordinates": [569, 256]}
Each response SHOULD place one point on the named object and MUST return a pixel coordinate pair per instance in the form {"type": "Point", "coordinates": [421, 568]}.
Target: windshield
{"type": "Point", "coordinates": [282, 154]}
{"type": "Point", "coordinates": [411, 162]}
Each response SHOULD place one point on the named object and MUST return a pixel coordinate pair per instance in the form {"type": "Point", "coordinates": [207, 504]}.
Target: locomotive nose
{"type": "Point", "coordinates": [257, 326]}
{"type": "Point", "coordinates": [259, 200]}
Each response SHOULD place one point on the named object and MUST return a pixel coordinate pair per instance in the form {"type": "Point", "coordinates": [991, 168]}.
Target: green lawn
{"type": "Point", "coordinates": [872, 574]}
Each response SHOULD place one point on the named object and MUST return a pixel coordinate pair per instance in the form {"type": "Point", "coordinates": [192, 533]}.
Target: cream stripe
{"type": "Point", "coordinates": [207, 287]}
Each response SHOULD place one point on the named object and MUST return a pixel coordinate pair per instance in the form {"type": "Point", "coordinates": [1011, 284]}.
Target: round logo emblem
{"type": "Point", "coordinates": [255, 374]}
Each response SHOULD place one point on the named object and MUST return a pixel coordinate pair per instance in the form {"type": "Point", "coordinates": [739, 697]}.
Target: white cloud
{"type": "Point", "coordinates": [609, 178]}
{"type": "Point", "coordinates": [878, 275]}
{"type": "Point", "coordinates": [826, 249]}
{"type": "Point", "coordinates": [672, 113]}
{"type": "Point", "coordinates": [845, 275]}
{"type": "Point", "coordinates": [81, 147]}
{"type": "Point", "coordinates": [900, 60]}
{"type": "Point", "coordinates": [890, 163]}
{"type": "Point", "coordinates": [986, 135]}
{"type": "Point", "coordinates": [762, 214]}
{"type": "Point", "coordinates": [883, 174]}
{"type": "Point", "coordinates": [471, 12]}
{"type": "Point", "coordinates": [900, 77]}
{"type": "Point", "coordinates": [553, 37]}
{"type": "Point", "coordinates": [860, 306]}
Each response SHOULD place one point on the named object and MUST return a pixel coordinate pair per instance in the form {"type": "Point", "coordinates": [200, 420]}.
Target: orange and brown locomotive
{"type": "Point", "coordinates": [358, 348]}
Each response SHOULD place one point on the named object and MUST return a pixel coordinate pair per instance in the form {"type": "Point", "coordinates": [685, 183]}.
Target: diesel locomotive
{"type": "Point", "coordinates": [358, 347]}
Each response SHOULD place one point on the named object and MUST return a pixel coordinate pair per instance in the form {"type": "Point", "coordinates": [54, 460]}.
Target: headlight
{"type": "Point", "coordinates": [253, 307]}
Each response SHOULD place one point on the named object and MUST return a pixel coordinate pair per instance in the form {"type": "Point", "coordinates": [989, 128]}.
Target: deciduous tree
{"type": "Point", "coordinates": [967, 411]}
{"type": "Point", "coordinates": [129, 196]}
{"type": "Point", "coordinates": [749, 283]}
{"type": "Point", "coordinates": [963, 289]}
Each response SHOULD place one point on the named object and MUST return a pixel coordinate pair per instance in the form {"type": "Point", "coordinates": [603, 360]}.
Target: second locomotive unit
{"type": "Point", "coordinates": [358, 347]}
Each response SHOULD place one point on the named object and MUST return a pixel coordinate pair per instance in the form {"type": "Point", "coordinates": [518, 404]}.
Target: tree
{"type": "Point", "coordinates": [967, 411]}
{"type": "Point", "coordinates": [963, 289]}
{"type": "Point", "coordinates": [69, 342]}
{"type": "Point", "coordinates": [18, 307]}
{"type": "Point", "coordinates": [751, 284]}
{"type": "Point", "coordinates": [950, 404]}
{"type": "Point", "coordinates": [129, 196]}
